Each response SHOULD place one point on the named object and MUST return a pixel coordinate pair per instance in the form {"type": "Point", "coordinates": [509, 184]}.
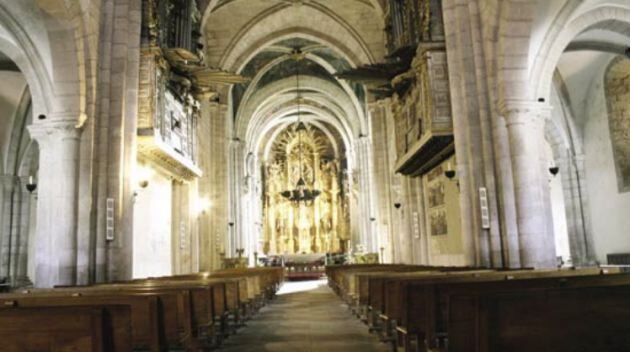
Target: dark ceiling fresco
{"type": "Point", "coordinates": [287, 67]}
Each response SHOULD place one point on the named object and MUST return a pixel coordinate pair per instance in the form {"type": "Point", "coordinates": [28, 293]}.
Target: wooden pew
{"type": "Point", "coordinates": [180, 312]}
{"type": "Point", "coordinates": [246, 289]}
{"type": "Point", "coordinates": [385, 300]}
{"type": "Point", "coordinates": [339, 277]}
{"type": "Point", "coordinates": [583, 313]}
{"type": "Point", "coordinates": [420, 306]}
{"type": "Point", "coordinates": [465, 307]}
{"type": "Point", "coordinates": [186, 308]}
{"type": "Point", "coordinates": [225, 297]}
{"type": "Point", "coordinates": [76, 328]}
{"type": "Point", "coordinates": [144, 327]}
{"type": "Point", "coordinates": [196, 315]}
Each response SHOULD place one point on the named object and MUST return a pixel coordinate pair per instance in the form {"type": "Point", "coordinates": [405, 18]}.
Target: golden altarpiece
{"type": "Point", "coordinates": [318, 226]}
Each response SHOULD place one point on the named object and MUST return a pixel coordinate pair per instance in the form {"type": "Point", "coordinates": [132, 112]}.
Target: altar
{"type": "Point", "coordinates": [310, 266]}
{"type": "Point", "coordinates": [319, 225]}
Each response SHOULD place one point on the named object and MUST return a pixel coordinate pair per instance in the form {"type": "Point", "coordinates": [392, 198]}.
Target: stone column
{"type": "Point", "coordinates": [56, 233]}
{"type": "Point", "coordinates": [7, 186]}
{"type": "Point", "coordinates": [236, 178]}
{"type": "Point", "coordinates": [525, 122]}
{"type": "Point", "coordinates": [509, 227]}
{"type": "Point", "coordinates": [367, 231]}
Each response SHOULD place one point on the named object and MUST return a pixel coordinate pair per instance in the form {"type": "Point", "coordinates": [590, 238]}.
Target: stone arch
{"type": "Point", "coordinates": [273, 23]}
{"type": "Point", "coordinates": [608, 17]}
{"type": "Point", "coordinates": [513, 32]}
{"type": "Point", "coordinates": [73, 51]}
{"type": "Point", "coordinates": [253, 86]}
{"type": "Point", "coordinates": [214, 4]}
{"type": "Point", "coordinates": [54, 60]}
{"type": "Point", "coordinates": [316, 119]}
{"type": "Point", "coordinates": [18, 218]}
{"type": "Point", "coordinates": [267, 27]}
{"type": "Point", "coordinates": [19, 136]}
{"type": "Point", "coordinates": [281, 125]}
{"type": "Point", "coordinates": [334, 93]}
{"type": "Point", "coordinates": [268, 113]}
{"type": "Point", "coordinates": [21, 50]}
{"type": "Point", "coordinates": [567, 148]}
{"type": "Point", "coordinates": [304, 33]}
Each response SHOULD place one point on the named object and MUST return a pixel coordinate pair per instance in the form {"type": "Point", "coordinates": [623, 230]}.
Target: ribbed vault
{"type": "Point", "coordinates": [272, 43]}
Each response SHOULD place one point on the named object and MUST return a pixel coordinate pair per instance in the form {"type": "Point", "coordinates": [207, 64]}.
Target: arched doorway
{"type": "Point", "coordinates": [20, 158]}
{"type": "Point", "coordinates": [587, 132]}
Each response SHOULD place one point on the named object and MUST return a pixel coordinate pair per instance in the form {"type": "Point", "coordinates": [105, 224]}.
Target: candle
{"type": "Point", "coordinates": [30, 180]}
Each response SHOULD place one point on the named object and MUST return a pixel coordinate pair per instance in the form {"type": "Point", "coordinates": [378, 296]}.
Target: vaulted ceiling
{"type": "Point", "coordinates": [271, 42]}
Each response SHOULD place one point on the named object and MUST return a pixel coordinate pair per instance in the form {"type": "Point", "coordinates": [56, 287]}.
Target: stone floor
{"type": "Point", "coordinates": [306, 316]}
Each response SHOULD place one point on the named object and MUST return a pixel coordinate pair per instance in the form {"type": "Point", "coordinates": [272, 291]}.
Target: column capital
{"type": "Point", "coordinates": [55, 129]}
{"type": "Point", "coordinates": [512, 106]}
{"type": "Point", "coordinates": [524, 112]}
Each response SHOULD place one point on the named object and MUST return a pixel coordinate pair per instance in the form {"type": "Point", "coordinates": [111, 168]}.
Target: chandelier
{"type": "Point", "coordinates": [301, 194]}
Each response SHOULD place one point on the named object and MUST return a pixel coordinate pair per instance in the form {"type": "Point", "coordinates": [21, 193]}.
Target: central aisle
{"type": "Point", "coordinates": [306, 316]}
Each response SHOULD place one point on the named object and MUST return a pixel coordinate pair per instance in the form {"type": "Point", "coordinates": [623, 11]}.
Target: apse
{"type": "Point", "coordinates": [298, 126]}
{"type": "Point", "coordinates": [305, 193]}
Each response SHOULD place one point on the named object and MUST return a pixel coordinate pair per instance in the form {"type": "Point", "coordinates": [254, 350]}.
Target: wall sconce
{"type": "Point", "coordinates": [143, 174]}
{"type": "Point", "coordinates": [449, 173]}
{"type": "Point", "coordinates": [231, 223]}
{"type": "Point", "coordinates": [372, 219]}
{"type": "Point", "coordinates": [397, 205]}
{"type": "Point", "coordinates": [554, 170]}
{"type": "Point", "coordinates": [31, 186]}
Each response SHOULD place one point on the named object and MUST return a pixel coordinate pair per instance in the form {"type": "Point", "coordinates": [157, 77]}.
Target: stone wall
{"type": "Point", "coordinates": [608, 204]}
{"type": "Point", "coordinates": [153, 224]}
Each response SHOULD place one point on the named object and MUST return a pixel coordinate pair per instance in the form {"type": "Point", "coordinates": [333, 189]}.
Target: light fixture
{"type": "Point", "coordinates": [143, 174]}
{"type": "Point", "coordinates": [397, 205]}
{"type": "Point", "coordinates": [449, 173]}
{"type": "Point", "coordinates": [554, 170]}
{"type": "Point", "coordinates": [31, 186]}
{"type": "Point", "coordinates": [301, 194]}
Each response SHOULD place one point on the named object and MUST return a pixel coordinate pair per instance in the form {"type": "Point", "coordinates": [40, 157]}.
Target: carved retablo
{"type": "Point", "coordinates": [303, 228]}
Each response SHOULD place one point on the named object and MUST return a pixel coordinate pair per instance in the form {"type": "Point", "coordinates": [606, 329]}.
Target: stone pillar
{"type": "Point", "coordinates": [509, 227]}
{"type": "Point", "coordinates": [56, 233]}
{"type": "Point", "coordinates": [367, 214]}
{"type": "Point", "coordinates": [236, 177]}
{"type": "Point", "coordinates": [525, 122]}
{"type": "Point", "coordinates": [7, 186]}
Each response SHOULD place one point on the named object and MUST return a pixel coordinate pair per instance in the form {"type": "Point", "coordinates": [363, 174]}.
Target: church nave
{"type": "Point", "coordinates": [305, 316]}
{"type": "Point", "coordinates": [166, 164]}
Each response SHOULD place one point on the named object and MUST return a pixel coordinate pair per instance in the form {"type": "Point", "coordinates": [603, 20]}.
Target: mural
{"type": "Point", "coordinates": [618, 96]}
{"type": "Point", "coordinates": [436, 202]}
{"type": "Point", "coordinates": [319, 227]}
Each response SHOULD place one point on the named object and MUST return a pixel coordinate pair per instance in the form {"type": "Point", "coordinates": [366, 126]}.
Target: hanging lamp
{"type": "Point", "coordinates": [301, 194]}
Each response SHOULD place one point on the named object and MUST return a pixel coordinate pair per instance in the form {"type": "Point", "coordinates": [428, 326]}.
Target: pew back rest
{"type": "Point", "coordinates": [90, 329]}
